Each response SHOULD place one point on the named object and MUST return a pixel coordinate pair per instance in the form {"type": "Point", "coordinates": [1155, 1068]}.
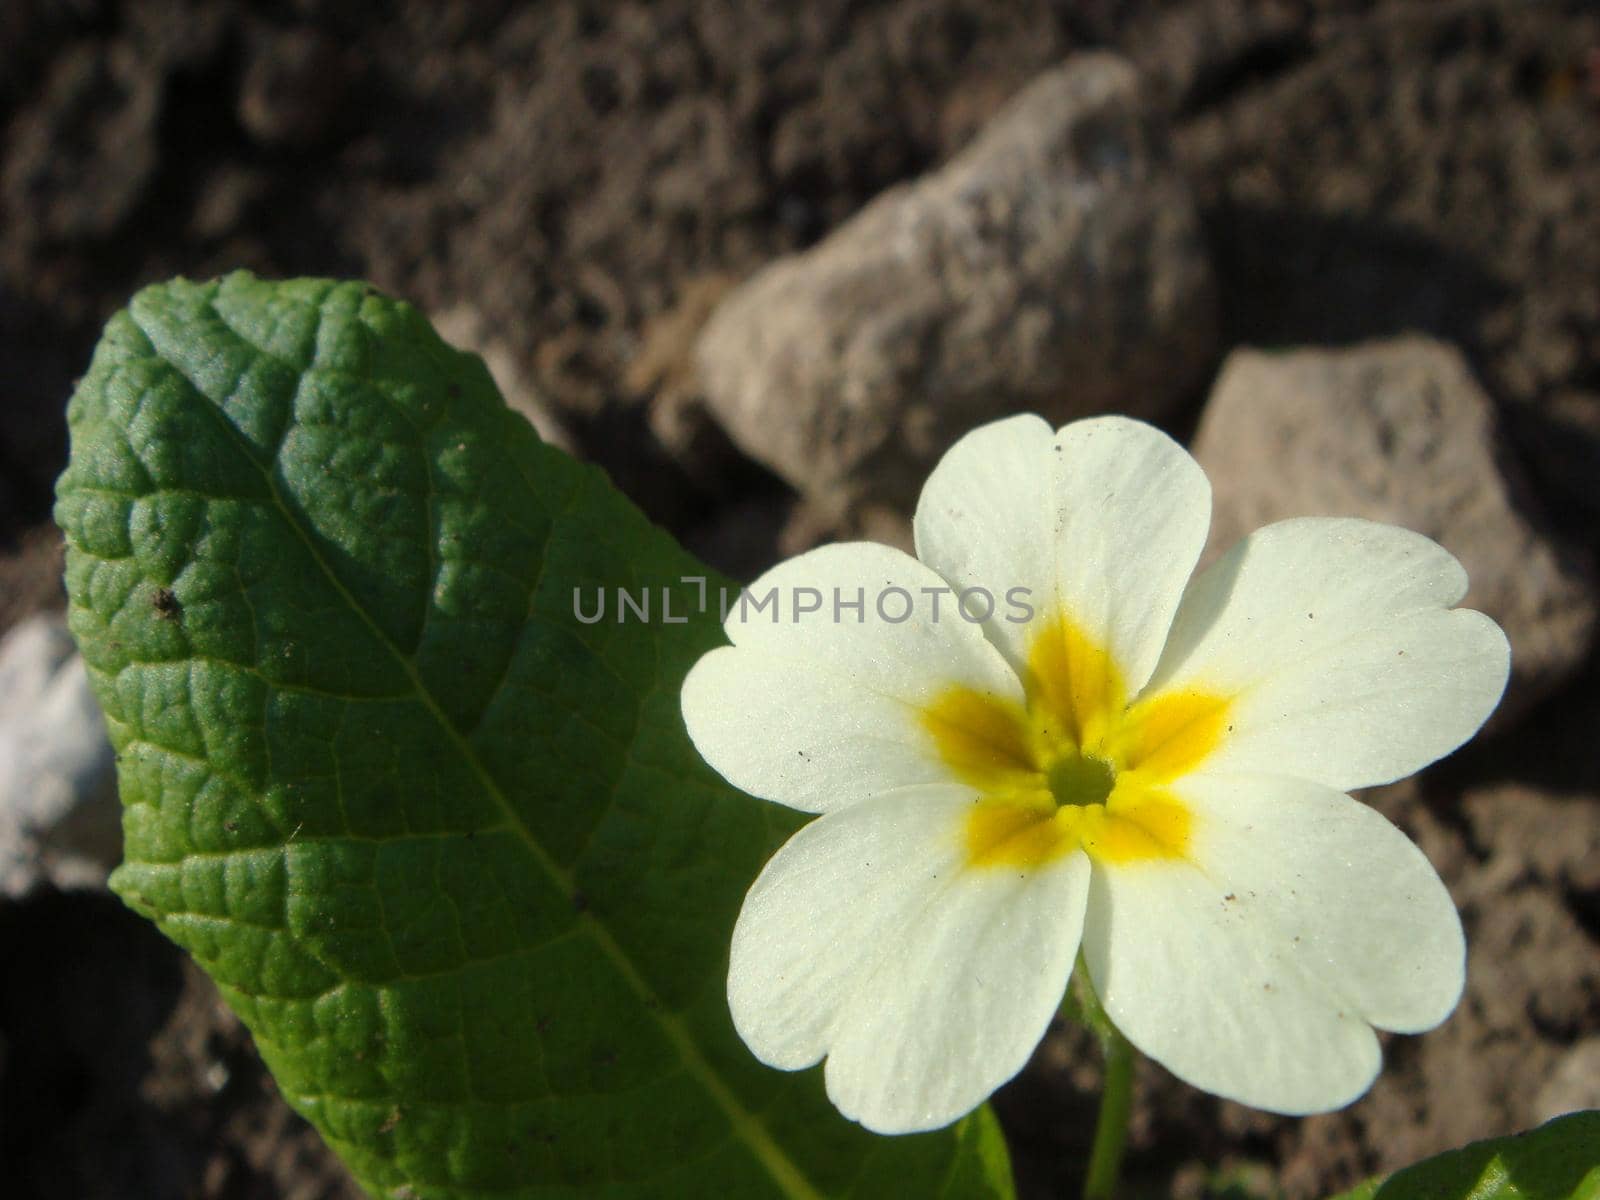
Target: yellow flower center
{"type": "Point", "coordinates": [1079, 766]}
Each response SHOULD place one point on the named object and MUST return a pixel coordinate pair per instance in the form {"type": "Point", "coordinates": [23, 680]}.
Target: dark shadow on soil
{"type": "Point", "coordinates": [1298, 278]}
{"type": "Point", "coordinates": [1553, 747]}
{"type": "Point", "coordinates": [37, 362]}
{"type": "Point", "coordinates": [85, 986]}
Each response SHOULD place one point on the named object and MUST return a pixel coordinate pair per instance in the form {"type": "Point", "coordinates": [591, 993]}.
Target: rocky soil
{"type": "Point", "coordinates": [762, 263]}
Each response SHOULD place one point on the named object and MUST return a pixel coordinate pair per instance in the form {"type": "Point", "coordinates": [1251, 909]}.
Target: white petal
{"type": "Point", "coordinates": [1101, 521]}
{"type": "Point", "coordinates": [926, 982]}
{"type": "Point", "coordinates": [1374, 919]}
{"type": "Point", "coordinates": [1338, 639]}
{"type": "Point", "coordinates": [986, 518]}
{"type": "Point", "coordinates": [817, 713]}
{"type": "Point", "coordinates": [1255, 970]}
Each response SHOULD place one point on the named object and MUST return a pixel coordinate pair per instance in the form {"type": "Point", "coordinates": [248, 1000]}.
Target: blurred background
{"type": "Point", "coordinates": [762, 263]}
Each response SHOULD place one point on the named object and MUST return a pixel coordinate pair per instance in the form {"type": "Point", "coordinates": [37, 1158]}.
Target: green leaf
{"type": "Point", "coordinates": [1560, 1160]}
{"type": "Point", "coordinates": [445, 848]}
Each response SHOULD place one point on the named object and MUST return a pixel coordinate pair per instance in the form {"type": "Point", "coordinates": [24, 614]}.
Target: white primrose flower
{"type": "Point", "coordinates": [1152, 770]}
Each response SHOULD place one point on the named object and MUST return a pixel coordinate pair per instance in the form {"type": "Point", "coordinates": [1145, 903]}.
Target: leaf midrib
{"type": "Point", "coordinates": [784, 1172]}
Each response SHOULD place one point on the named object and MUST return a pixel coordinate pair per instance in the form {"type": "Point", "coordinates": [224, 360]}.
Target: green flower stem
{"type": "Point", "coordinates": [1116, 1099]}
{"type": "Point", "coordinates": [1111, 1129]}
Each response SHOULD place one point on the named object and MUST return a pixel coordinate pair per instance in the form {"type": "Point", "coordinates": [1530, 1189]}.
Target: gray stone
{"type": "Point", "coordinates": [59, 819]}
{"type": "Point", "coordinates": [1054, 266]}
{"type": "Point", "coordinates": [1399, 431]}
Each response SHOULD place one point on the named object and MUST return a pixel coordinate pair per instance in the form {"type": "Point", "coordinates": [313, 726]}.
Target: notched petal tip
{"type": "Point", "coordinates": [1339, 638]}
{"type": "Point", "coordinates": [1260, 972]}
{"type": "Point", "coordinates": [927, 984]}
